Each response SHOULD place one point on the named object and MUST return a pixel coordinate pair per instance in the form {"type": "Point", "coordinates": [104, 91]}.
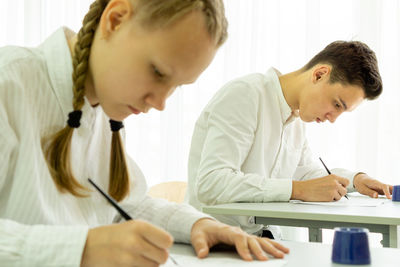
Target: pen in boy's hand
{"type": "Point", "coordinates": [329, 172]}
{"type": "Point", "coordinates": [119, 209]}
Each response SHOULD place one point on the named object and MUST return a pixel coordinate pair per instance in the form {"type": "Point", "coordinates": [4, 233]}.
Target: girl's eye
{"type": "Point", "coordinates": [337, 105]}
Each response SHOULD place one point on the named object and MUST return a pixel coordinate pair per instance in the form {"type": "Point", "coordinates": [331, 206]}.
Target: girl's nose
{"type": "Point", "coordinates": [157, 99]}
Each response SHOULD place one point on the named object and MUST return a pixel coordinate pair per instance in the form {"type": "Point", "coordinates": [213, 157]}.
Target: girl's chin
{"type": "Point", "coordinates": [117, 117]}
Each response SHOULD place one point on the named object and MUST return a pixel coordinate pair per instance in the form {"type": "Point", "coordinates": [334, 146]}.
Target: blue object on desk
{"type": "Point", "coordinates": [396, 193]}
{"type": "Point", "coordinates": [350, 246]}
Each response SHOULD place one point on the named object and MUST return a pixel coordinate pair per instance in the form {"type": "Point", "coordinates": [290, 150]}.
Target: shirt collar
{"type": "Point", "coordinates": [59, 66]}
{"type": "Point", "coordinates": [287, 115]}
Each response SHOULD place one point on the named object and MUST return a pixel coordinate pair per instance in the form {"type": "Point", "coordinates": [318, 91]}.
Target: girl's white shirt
{"type": "Point", "coordinates": [39, 226]}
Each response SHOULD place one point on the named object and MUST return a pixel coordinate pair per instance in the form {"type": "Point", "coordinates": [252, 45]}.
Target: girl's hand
{"type": "Point", "coordinates": [133, 243]}
{"type": "Point", "coordinates": [207, 233]}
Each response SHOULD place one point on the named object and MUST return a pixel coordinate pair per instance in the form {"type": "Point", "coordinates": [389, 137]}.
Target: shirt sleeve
{"type": "Point", "coordinates": [28, 245]}
{"type": "Point", "coordinates": [8, 144]}
{"type": "Point", "coordinates": [177, 219]}
{"type": "Point", "coordinates": [231, 122]}
{"type": "Point", "coordinates": [41, 245]}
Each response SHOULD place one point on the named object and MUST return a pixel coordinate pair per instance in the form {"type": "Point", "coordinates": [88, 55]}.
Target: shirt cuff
{"type": "Point", "coordinates": [181, 222]}
{"type": "Point", "coordinates": [53, 245]}
{"type": "Point", "coordinates": [278, 190]}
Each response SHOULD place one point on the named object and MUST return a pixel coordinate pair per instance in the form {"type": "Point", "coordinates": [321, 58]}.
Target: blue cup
{"type": "Point", "coordinates": [350, 246]}
{"type": "Point", "coordinates": [396, 193]}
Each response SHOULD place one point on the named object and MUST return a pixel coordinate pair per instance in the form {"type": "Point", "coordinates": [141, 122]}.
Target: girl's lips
{"type": "Point", "coordinates": [134, 111]}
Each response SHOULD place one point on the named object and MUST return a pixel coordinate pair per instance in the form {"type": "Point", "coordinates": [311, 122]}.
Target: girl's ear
{"type": "Point", "coordinates": [114, 15]}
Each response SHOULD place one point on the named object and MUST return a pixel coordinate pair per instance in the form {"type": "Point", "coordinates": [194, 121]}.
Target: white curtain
{"type": "Point", "coordinates": [262, 33]}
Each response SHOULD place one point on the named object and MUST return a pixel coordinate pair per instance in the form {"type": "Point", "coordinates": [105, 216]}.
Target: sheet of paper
{"type": "Point", "coordinates": [354, 200]}
{"type": "Point", "coordinates": [218, 259]}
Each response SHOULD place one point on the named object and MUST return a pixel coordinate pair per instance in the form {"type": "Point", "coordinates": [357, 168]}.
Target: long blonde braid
{"type": "Point", "coordinates": [58, 150]}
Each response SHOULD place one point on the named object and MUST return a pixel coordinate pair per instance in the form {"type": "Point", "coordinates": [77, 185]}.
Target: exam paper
{"type": "Point", "coordinates": [187, 258]}
{"type": "Point", "coordinates": [356, 201]}
{"type": "Point", "coordinates": [193, 261]}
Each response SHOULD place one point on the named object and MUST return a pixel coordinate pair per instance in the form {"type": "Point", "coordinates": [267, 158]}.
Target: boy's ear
{"type": "Point", "coordinates": [114, 15]}
{"type": "Point", "coordinates": [321, 72]}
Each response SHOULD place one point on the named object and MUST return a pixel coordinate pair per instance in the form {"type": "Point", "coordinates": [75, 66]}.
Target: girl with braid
{"type": "Point", "coordinates": [57, 104]}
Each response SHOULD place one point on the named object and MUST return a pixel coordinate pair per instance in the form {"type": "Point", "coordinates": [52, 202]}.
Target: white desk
{"type": "Point", "coordinates": [311, 255]}
{"type": "Point", "coordinates": [383, 219]}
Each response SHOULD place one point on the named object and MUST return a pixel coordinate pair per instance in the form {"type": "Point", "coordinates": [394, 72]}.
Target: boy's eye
{"type": "Point", "coordinates": [157, 72]}
{"type": "Point", "coordinates": [337, 105]}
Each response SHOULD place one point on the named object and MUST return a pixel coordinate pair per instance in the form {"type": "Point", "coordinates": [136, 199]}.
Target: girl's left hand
{"type": "Point", "coordinates": [207, 232]}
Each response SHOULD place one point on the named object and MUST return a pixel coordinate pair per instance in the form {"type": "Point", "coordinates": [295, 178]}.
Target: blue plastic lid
{"type": "Point", "coordinates": [350, 246]}
{"type": "Point", "coordinates": [396, 193]}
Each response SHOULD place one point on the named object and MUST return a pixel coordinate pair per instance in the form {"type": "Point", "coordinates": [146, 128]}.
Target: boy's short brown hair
{"type": "Point", "coordinates": [353, 63]}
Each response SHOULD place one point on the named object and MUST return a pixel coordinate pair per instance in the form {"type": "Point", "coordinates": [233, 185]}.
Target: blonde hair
{"type": "Point", "coordinates": [152, 13]}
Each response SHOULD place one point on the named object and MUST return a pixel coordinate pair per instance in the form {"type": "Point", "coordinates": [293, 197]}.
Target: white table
{"type": "Point", "coordinates": [383, 219]}
{"type": "Point", "coordinates": [312, 255]}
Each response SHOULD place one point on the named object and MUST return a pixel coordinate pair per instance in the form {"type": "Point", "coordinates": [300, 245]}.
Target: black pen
{"type": "Point", "coordinates": [119, 209]}
{"type": "Point", "coordinates": [329, 172]}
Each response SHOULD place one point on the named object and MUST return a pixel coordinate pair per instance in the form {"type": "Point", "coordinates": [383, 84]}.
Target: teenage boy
{"type": "Point", "coordinates": [249, 144]}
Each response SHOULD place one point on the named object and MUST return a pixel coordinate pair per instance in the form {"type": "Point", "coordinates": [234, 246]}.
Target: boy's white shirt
{"type": "Point", "coordinates": [247, 146]}
{"type": "Point", "coordinates": [39, 226]}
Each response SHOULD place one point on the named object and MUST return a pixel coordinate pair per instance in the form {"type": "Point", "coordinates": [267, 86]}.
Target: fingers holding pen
{"type": "Point", "coordinates": [327, 188]}
{"type": "Point", "coordinates": [155, 235]}
{"type": "Point", "coordinates": [133, 243]}
{"type": "Point", "coordinates": [341, 180]}
{"type": "Point", "coordinates": [339, 190]}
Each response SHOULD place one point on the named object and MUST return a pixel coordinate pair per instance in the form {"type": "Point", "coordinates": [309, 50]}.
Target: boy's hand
{"type": "Point", "coordinates": [367, 186]}
{"type": "Point", "coordinates": [327, 188]}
